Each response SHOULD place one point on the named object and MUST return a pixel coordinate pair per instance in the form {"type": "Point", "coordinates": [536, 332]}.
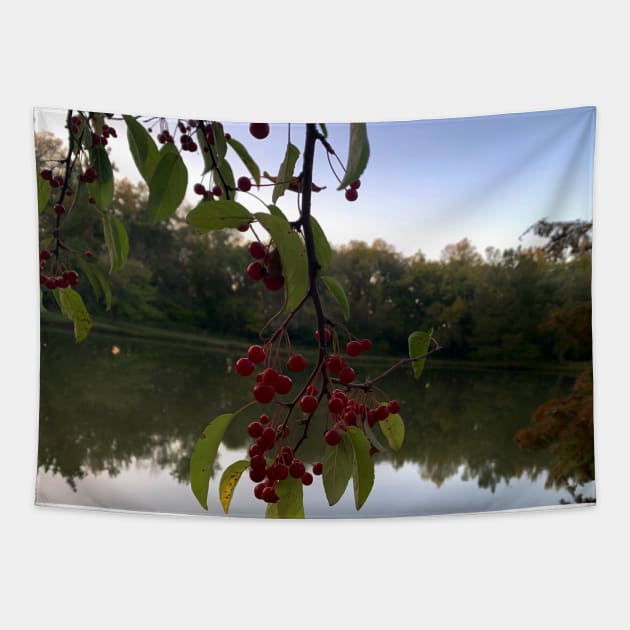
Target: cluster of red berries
{"type": "Point", "coordinates": [352, 192]}
{"type": "Point", "coordinates": [103, 136]}
{"type": "Point", "coordinates": [164, 136]}
{"type": "Point", "coordinates": [54, 180]}
{"type": "Point", "coordinates": [266, 473]}
{"type": "Point", "coordinates": [68, 278]}
{"type": "Point", "coordinates": [259, 130]}
{"type": "Point", "coordinates": [188, 144]}
{"type": "Point", "coordinates": [269, 382]}
{"type": "Point", "coordinates": [265, 267]}
{"type": "Point", "coordinates": [89, 176]}
{"type": "Point", "coordinates": [349, 411]}
{"type": "Point", "coordinates": [201, 190]}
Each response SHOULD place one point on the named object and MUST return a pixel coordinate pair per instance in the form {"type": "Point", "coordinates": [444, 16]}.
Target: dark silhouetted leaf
{"type": "Point", "coordinates": [358, 154]}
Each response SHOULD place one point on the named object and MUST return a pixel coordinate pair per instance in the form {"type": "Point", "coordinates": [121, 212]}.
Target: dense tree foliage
{"type": "Point", "coordinates": [516, 304]}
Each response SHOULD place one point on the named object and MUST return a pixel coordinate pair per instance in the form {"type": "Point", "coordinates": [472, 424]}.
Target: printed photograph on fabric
{"type": "Point", "coordinates": [315, 320]}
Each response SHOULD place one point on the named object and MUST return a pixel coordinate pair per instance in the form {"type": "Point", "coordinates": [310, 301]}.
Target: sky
{"type": "Point", "coordinates": [428, 183]}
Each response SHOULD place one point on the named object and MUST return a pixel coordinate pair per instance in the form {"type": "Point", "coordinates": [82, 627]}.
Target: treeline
{"type": "Point", "coordinates": [506, 305]}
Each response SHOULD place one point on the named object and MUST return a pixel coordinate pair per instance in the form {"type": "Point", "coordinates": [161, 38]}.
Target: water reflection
{"type": "Point", "coordinates": [106, 414]}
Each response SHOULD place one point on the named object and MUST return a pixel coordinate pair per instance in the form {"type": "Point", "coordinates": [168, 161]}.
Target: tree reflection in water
{"type": "Point", "coordinates": [105, 412]}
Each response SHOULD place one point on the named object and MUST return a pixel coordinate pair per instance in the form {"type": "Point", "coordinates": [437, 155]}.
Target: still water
{"type": "Point", "coordinates": [119, 418]}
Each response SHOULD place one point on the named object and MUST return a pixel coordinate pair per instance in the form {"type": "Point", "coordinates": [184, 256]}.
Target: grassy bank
{"type": "Point", "coordinates": [55, 321]}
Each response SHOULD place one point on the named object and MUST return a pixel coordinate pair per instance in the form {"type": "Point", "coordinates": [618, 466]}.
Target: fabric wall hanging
{"type": "Point", "coordinates": [311, 320]}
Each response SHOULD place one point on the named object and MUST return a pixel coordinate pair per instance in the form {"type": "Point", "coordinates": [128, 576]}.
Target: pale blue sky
{"type": "Point", "coordinates": [433, 182]}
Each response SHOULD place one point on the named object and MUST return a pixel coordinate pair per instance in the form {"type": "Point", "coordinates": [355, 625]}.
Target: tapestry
{"type": "Point", "coordinates": [315, 320]}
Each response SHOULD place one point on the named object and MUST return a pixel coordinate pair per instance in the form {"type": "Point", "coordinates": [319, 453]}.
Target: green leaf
{"type": "Point", "coordinates": [419, 346]}
{"type": "Point", "coordinates": [372, 437]}
{"type": "Point", "coordinates": [224, 174]}
{"type": "Point", "coordinates": [291, 500]}
{"type": "Point", "coordinates": [102, 189]}
{"type": "Point", "coordinates": [167, 187]}
{"type": "Point", "coordinates": [220, 143]}
{"type": "Point", "coordinates": [216, 215]}
{"type": "Point", "coordinates": [72, 306]}
{"type": "Point", "coordinates": [339, 294]}
{"type": "Point", "coordinates": [203, 145]}
{"type": "Point", "coordinates": [277, 212]}
{"type": "Point", "coordinates": [143, 148]}
{"type": "Point", "coordinates": [393, 429]}
{"type": "Point", "coordinates": [246, 158]}
{"type": "Point", "coordinates": [362, 466]}
{"type": "Point", "coordinates": [43, 193]}
{"type": "Point", "coordinates": [285, 172]}
{"type": "Point", "coordinates": [293, 257]}
{"type": "Point", "coordinates": [116, 240]}
{"type": "Point", "coordinates": [203, 456]}
{"type": "Point", "coordinates": [337, 464]}
{"type": "Point", "coordinates": [358, 154]}
{"type": "Point", "coordinates": [97, 279]}
{"type": "Point", "coordinates": [323, 252]}
{"type": "Point", "coordinates": [323, 129]}
{"type": "Point", "coordinates": [229, 479]}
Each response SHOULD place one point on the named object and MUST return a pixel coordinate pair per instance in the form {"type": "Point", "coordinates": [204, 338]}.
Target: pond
{"type": "Point", "coordinates": [119, 417]}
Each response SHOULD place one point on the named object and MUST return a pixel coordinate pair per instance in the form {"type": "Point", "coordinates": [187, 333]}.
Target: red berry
{"type": "Point", "coordinates": [264, 419]}
{"type": "Point", "coordinates": [257, 474]}
{"type": "Point", "coordinates": [318, 468]}
{"type": "Point", "coordinates": [308, 404]}
{"type": "Point", "coordinates": [255, 449]}
{"type": "Point", "coordinates": [46, 174]}
{"type": "Point", "coordinates": [244, 184]}
{"type": "Point", "coordinates": [263, 393]}
{"type": "Point", "coordinates": [44, 255]}
{"type": "Point", "coordinates": [296, 470]}
{"type": "Point", "coordinates": [394, 406]}
{"type": "Point", "coordinates": [286, 454]}
{"type": "Point", "coordinates": [332, 437]}
{"type": "Point", "coordinates": [269, 495]}
{"type": "Point", "coordinates": [352, 194]}
{"type": "Point", "coordinates": [59, 209]}
{"type": "Point", "coordinates": [255, 271]}
{"type": "Point", "coordinates": [356, 184]}
{"type": "Point", "coordinates": [311, 390]}
{"type": "Point", "coordinates": [350, 417]}
{"type": "Point", "coordinates": [335, 364]}
{"type": "Point", "coordinates": [381, 412]}
{"type": "Point", "coordinates": [259, 130]}
{"type": "Point", "coordinates": [255, 429]}
{"type": "Point", "coordinates": [88, 254]}
{"type": "Point", "coordinates": [269, 376]}
{"type": "Point", "coordinates": [243, 228]}
{"type": "Point", "coordinates": [346, 375]}
{"type": "Point", "coordinates": [337, 393]}
{"type": "Point", "coordinates": [244, 367]}
{"type": "Point", "coordinates": [257, 462]}
{"type": "Point", "coordinates": [200, 189]}
{"type": "Point", "coordinates": [296, 363]}
{"type": "Point", "coordinates": [72, 277]}
{"type": "Point", "coordinates": [282, 471]}
{"type": "Point", "coordinates": [256, 354]}
{"type": "Point", "coordinates": [268, 438]}
{"type": "Point", "coordinates": [335, 405]}
{"type": "Point", "coordinates": [353, 348]}
{"type": "Point", "coordinates": [366, 344]}
{"type": "Point", "coordinates": [307, 479]}
{"type": "Point", "coordinates": [283, 384]}
{"type": "Point", "coordinates": [217, 191]}
{"type": "Point", "coordinates": [258, 490]}
{"type": "Point", "coordinates": [274, 283]}
{"type": "Point", "coordinates": [256, 250]}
